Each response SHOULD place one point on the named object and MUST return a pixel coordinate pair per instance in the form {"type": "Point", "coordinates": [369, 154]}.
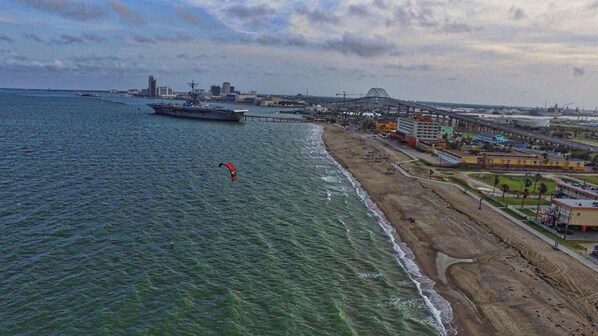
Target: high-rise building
{"type": "Point", "coordinates": [152, 87]}
{"type": "Point", "coordinates": [215, 90]}
{"type": "Point", "coordinates": [232, 89]}
{"type": "Point", "coordinates": [225, 88]}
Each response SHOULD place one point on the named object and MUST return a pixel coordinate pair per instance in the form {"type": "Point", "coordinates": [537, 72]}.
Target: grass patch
{"type": "Point", "coordinates": [529, 212]}
{"type": "Point", "coordinates": [514, 214]}
{"type": "Point", "coordinates": [528, 201]}
{"type": "Point", "coordinates": [593, 179]}
{"type": "Point", "coordinates": [515, 182]}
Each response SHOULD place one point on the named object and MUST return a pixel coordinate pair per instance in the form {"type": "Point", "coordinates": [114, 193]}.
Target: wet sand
{"type": "Point", "coordinates": [516, 285]}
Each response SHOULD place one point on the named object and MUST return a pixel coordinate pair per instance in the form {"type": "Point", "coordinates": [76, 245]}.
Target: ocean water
{"type": "Point", "coordinates": [93, 191]}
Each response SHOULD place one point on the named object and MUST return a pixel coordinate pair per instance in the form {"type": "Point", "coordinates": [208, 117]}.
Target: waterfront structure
{"type": "Point", "coordinates": [490, 138]}
{"type": "Point", "coordinates": [529, 122]}
{"type": "Point", "coordinates": [576, 190]}
{"type": "Point", "coordinates": [575, 212]}
{"type": "Point", "coordinates": [457, 157]}
{"type": "Point", "coordinates": [165, 92]}
{"type": "Point", "coordinates": [509, 160]}
{"type": "Point", "coordinates": [529, 161]}
{"type": "Point", "coordinates": [448, 130]}
{"type": "Point", "coordinates": [226, 88]}
{"type": "Point", "coordinates": [152, 88]}
{"type": "Point", "coordinates": [386, 127]}
{"type": "Point", "coordinates": [420, 127]}
{"type": "Point", "coordinates": [215, 90]}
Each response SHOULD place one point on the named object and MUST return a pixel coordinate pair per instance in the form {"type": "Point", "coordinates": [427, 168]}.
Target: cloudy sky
{"type": "Point", "coordinates": [527, 53]}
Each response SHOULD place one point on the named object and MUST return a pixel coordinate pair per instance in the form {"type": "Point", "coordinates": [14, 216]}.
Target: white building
{"type": "Point", "coordinates": [165, 92]}
{"type": "Point", "coordinates": [421, 127]}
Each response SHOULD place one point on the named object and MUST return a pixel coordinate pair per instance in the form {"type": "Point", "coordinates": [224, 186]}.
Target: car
{"type": "Point", "coordinates": [409, 219]}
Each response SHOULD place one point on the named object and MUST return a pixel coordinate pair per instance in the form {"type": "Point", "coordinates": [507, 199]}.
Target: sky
{"type": "Point", "coordinates": [518, 53]}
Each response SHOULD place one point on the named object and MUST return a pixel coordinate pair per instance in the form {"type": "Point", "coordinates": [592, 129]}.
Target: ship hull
{"type": "Point", "coordinates": [204, 113]}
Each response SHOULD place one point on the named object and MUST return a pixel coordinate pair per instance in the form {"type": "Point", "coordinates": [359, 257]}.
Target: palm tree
{"type": "Point", "coordinates": [543, 189]}
{"type": "Point", "coordinates": [496, 182]}
{"type": "Point", "coordinates": [505, 189]}
{"type": "Point", "coordinates": [527, 183]}
{"type": "Point", "coordinates": [537, 178]}
{"type": "Point", "coordinates": [525, 194]}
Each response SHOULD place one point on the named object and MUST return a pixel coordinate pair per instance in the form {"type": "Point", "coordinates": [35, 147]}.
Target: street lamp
{"type": "Point", "coordinates": [480, 205]}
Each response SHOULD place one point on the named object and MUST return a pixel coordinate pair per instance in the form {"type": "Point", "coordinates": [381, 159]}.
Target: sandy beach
{"type": "Point", "coordinates": [516, 284]}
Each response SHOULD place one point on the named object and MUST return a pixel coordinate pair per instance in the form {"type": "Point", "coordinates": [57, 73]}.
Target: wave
{"type": "Point", "coordinates": [438, 306]}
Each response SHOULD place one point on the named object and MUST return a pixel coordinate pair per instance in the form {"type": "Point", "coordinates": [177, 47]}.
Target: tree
{"type": "Point", "coordinates": [537, 178]}
{"type": "Point", "coordinates": [525, 194]}
{"type": "Point", "coordinates": [496, 182]}
{"type": "Point", "coordinates": [543, 189]}
{"type": "Point", "coordinates": [505, 189]}
{"type": "Point", "coordinates": [545, 155]}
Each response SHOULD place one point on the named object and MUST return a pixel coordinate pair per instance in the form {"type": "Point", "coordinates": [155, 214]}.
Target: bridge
{"type": "Point", "coordinates": [378, 98]}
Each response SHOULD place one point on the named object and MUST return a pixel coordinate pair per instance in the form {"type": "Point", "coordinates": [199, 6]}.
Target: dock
{"type": "Point", "coordinates": [281, 120]}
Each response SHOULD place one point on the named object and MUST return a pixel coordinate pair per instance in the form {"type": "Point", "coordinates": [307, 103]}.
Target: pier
{"type": "Point", "coordinates": [278, 119]}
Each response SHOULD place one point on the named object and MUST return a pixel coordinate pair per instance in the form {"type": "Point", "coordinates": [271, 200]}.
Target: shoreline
{"type": "Point", "coordinates": [439, 307]}
{"type": "Point", "coordinates": [515, 284]}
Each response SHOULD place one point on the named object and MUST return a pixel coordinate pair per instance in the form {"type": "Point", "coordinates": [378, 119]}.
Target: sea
{"type": "Point", "coordinates": [116, 221]}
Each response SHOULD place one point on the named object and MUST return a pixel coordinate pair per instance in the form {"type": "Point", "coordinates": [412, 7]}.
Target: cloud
{"type": "Point", "coordinates": [67, 39]}
{"type": "Point", "coordinates": [95, 58]}
{"type": "Point", "coordinates": [517, 13]}
{"type": "Point", "coordinates": [359, 10]}
{"type": "Point", "coordinates": [578, 72]}
{"type": "Point", "coordinates": [289, 40]}
{"type": "Point", "coordinates": [94, 37]}
{"type": "Point", "coordinates": [250, 12]}
{"type": "Point", "coordinates": [362, 46]}
{"type": "Point", "coordinates": [126, 14]}
{"type": "Point", "coordinates": [410, 14]}
{"type": "Point", "coordinates": [411, 67]}
{"type": "Point", "coordinates": [4, 38]}
{"type": "Point", "coordinates": [142, 39]}
{"type": "Point", "coordinates": [70, 9]}
{"type": "Point", "coordinates": [317, 15]}
{"type": "Point", "coordinates": [33, 37]}
{"type": "Point", "coordinates": [195, 57]}
{"type": "Point", "coordinates": [176, 38]}
{"type": "Point", "coordinates": [381, 4]}
{"type": "Point", "coordinates": [457, 28]}
{"type": "Point", "coordinates": [184, 14]}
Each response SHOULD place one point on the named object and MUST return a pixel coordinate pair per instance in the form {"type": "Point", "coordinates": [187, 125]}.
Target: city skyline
{"type": "Point", "coordinates": [523, 53]}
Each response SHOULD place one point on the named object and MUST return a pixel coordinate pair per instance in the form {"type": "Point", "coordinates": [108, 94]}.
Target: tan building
{"type": "Point", "coordinates": [511, 160]}
{"type": "Point", "coordinates": [573, 212]}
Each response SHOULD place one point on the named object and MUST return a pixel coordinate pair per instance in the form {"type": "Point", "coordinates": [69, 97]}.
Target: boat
{"type": "Point", "coordinates": [194, 109]}
{"type": "Point", "coordinates": [86, 94]}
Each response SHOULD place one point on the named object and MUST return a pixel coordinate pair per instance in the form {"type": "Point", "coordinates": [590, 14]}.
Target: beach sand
{"type": "Point", "coordinates": [516, 285]}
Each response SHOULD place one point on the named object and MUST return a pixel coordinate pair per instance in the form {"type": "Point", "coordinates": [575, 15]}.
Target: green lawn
{"type": "Point", "coordinates": [515, 182]}
{"type": "Point", "coordinates": [517, 201]}
{"type": "Point", "coordinates": [593, 179]}
{"type": "Point", "coordinates": [529, 212]}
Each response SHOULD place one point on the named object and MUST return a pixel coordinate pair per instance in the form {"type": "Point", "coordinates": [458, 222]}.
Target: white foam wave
{"type": "Point", "coordinates": [370, 275]}
{"type": "Point", "coordinates": [438, 306]}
